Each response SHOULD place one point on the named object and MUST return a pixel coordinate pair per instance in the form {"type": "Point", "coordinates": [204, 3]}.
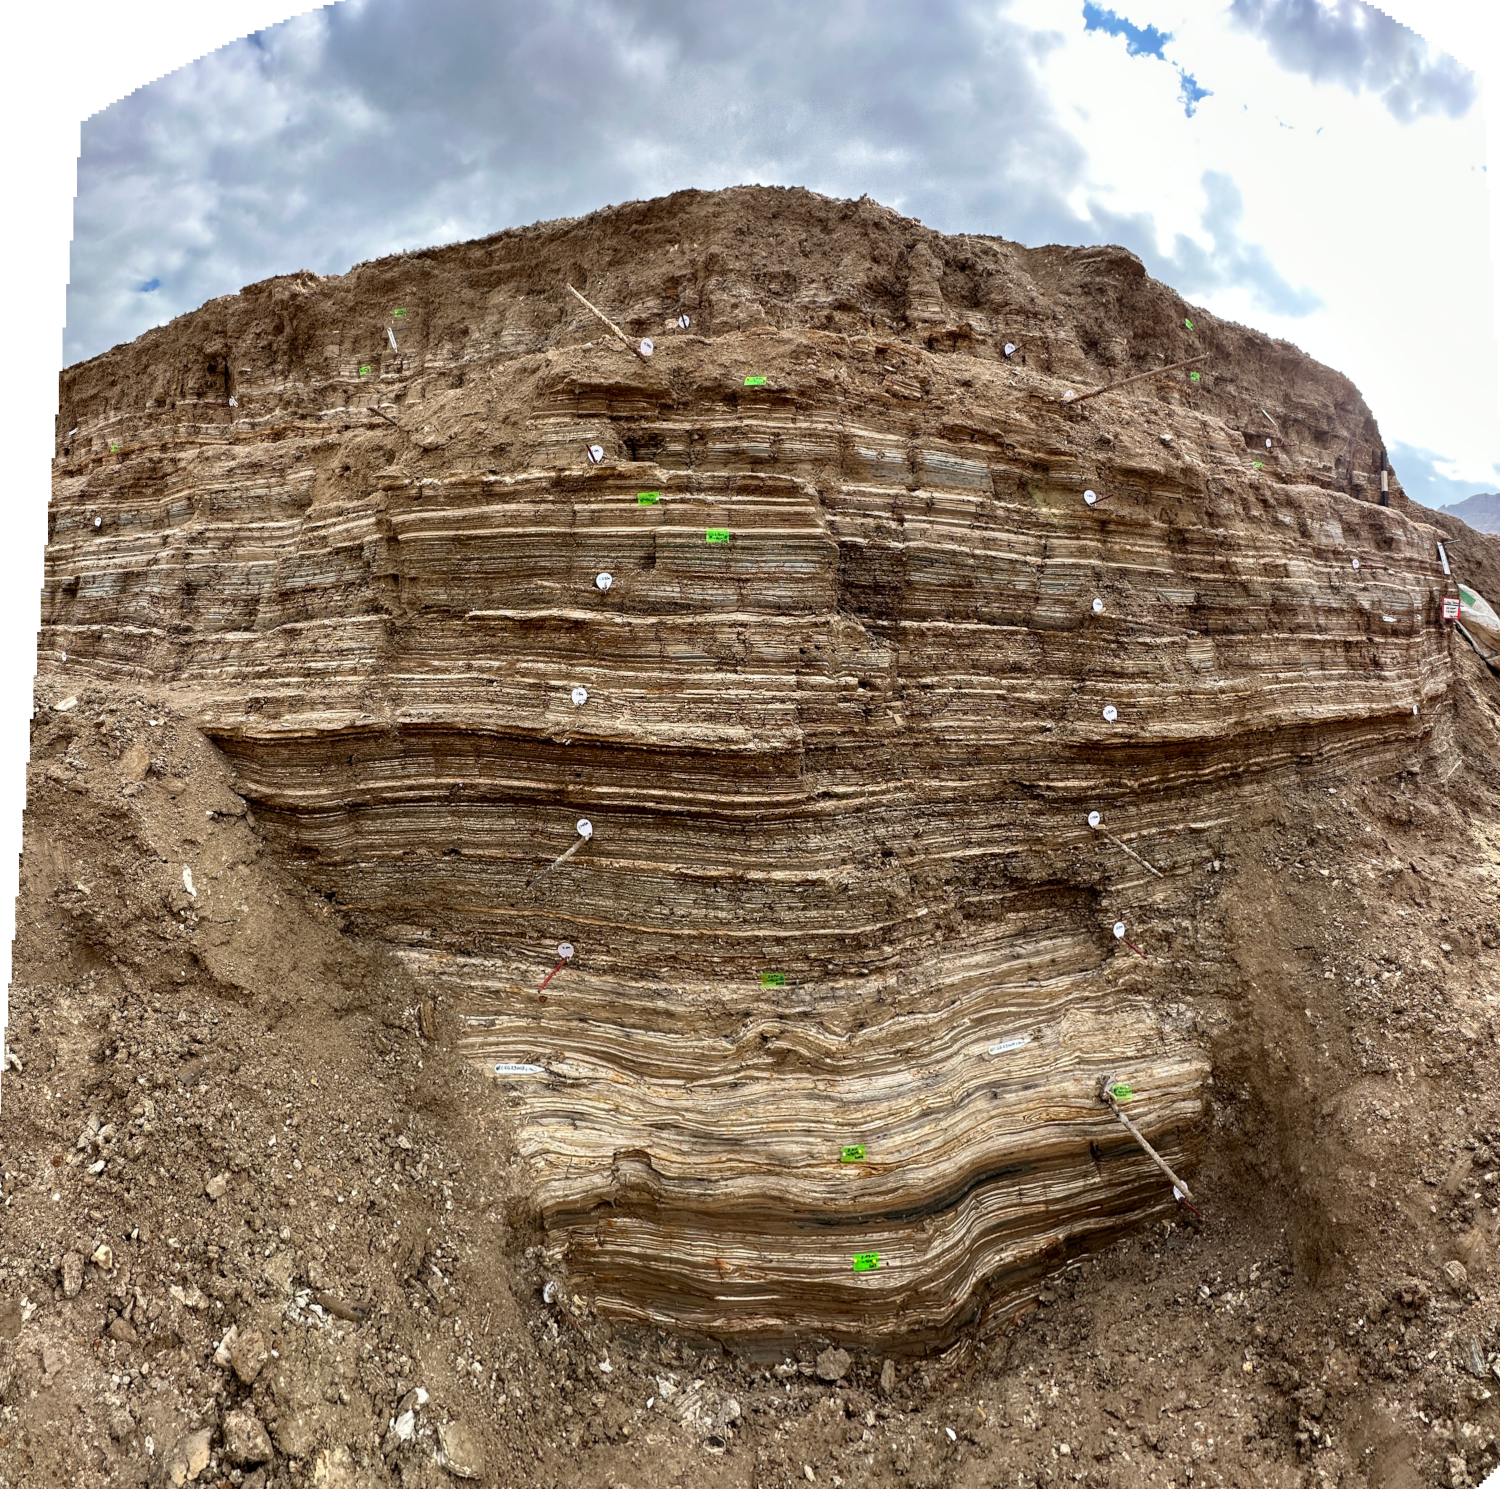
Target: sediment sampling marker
{"type": "Point", "coordinates": [564, 954]}
{"type": "Point", "coordinates": [1107, 1094]}
{"type": "Point", "coordinates": [585, 832]}
{"type": "Point", "coordinates": [1071, 397]}
{"type": "Point", "coordinates": [1121, 936]}
{"type": "Point", "coordinates": [643, 351]}
{"type": "Point", "coordinates": [1096, 821]}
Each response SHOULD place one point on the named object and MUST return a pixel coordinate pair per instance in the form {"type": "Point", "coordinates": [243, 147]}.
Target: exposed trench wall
{"type": "Point", "coordinates": [841, 890]}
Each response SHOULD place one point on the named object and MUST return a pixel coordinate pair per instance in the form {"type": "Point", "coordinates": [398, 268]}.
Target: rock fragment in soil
{"type": "Point", "coordinates": [186, 1458]}
{"type": "Point", "coordinates": [833, 1364]}
{"type": "Point", "coordinates": [246, 1441]}
{"type": "Point", "coordinates": [459, 1450]}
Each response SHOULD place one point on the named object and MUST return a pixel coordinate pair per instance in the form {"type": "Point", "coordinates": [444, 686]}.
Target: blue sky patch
{"type": "Point", "coordinates": [1140, 41]}
{"type": "Point", "coordinates": [150, 284]}
{"type": "Point", "coordinates": [1191, 92]}
{"type": "Point", "coordinates": [1144, 41]}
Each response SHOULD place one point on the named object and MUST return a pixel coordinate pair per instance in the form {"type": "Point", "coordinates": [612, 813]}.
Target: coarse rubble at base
{"type": "Point", "coordinates": [266, 1224]}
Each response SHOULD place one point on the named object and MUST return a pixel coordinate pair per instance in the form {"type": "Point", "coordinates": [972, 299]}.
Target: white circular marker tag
{"type": "Point", "coordinates": [603, 581]}
{"type": "Point", "coordinates": [98, 522]}
{"type": "Point", "coordinates": [580, 696]}
{"type": "Point", "coordinates": [1095, 819]}
{"type": "Point", "coordinates": [1091, 497]}
{"type": "Point", "coordinates": [1069, 396]}
{"type": "Point", "coordinates": [1111, 713]}
{"type": "Point", "coordinates": [1268, 444]}
{"type": "Point", "coordinates": [585, 828]}
{"type": "Point", "coordinates": [565, 950]}
{"type": "Point", "coordinates": [684, 322]}
{"type": "Point", "coordinates": [1119, 930]}
{"type": "Point", "coordinates": [1356, 563]}
{"type": "Point", "coordinates": [647, 347]}
{"type": "Point", "coordinates": [596, 454]}
{"type": "Point", "coordinates": [1098, 607]}
{"type": "Point", "coordinates": [1413, 707]}
{"type": "Point", "coordinates": [1176, 1192]}
{"type": "Point", "coordinates": [1010, 346]}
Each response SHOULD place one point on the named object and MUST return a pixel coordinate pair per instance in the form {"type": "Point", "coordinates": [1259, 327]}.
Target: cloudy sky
{"type": "Point", "coordinates": [1309, 167]}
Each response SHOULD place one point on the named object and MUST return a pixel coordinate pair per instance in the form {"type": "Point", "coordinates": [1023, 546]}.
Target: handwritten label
{"type": "Point", "coordinates": [773, 979]}
{"type": "Point", "coordinates": [866, 1261]}
{"type": "Point", "coordinates": [1259, 465]}
{"type": "Point", "coordinates": [647, 498]}
{"type": "Point", "coordinates": [852, 1154]}
{"type": "Point", "coordinates": [1122, 1092]}
{"type": "Point", "coordinates": [114, 449]}
{"type": "Point", "coordinates": [1194, 376]}
{"type": "Point", "coordinates": [755, 382]}
{"type": "Point", "coordinates": [716, 535]}
{"type": "Point", "coordinates": [1188, 324]}
{"type": "Point", "coordinates": [364, 370]}
{"type": "Point", "coordinates": [1007, 1045]}
{"type": "Point", "coordinates": [505, 1069]}
{"type": "Point", "coordinates": [400, 313]}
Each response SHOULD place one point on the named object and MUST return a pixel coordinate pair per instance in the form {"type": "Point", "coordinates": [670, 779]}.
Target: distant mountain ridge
{"type": "Point", "coordinates": [1481, 511]}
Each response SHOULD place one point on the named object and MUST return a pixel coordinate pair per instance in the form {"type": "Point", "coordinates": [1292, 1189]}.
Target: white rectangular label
{"type": "Point", "coordinates": [1008, 1045]}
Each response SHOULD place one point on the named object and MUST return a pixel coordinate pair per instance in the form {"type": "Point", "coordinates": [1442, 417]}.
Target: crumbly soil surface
{"type": "Point", "coordinates": [224, 1114]}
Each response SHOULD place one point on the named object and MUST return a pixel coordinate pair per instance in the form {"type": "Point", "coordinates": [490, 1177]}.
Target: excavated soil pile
{"type": "Point", "coordinates": [940, 744]}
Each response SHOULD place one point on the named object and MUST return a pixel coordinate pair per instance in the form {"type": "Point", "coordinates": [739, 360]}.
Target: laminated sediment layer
{"type": "Point", "coordinates": [845, 702]}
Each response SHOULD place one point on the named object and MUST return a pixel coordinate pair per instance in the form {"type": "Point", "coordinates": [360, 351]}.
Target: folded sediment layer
{"type": "Point", "coordinates": [865, 661]}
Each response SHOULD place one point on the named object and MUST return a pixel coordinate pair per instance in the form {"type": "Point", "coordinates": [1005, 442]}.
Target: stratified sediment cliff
{"type": "Point", "coordinates": [828, 1051]}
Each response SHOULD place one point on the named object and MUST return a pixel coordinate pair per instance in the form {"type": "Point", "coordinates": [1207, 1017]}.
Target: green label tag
{"type": "Point", "coordinates": [866, 1261]}
{"type": "Point", "coordinates": [716, 535]}
{"type": "Point", "coordinates": [755, 382]}
{"type": "Point", "coordinates": [113, 449]}
{"type": "Point", "coordinates": [1121, 1092]}
{"type": "Point", "coordinates": [852, 1154]}
{"type": "Point", "coordinates": [1193, 376]}
{"type": "Point", "coordinates": [647, 498]}
{"type": "Point", "coordinates": [773, 979]}
{"type": "Point", "coordinates": [400, 313]}
{"type": "Point", "coordinates": [365, 370]}
{"type": "Point", "coordinates": [1188, 324]}
{"type": "Point", "coordinates": [1258, 464]}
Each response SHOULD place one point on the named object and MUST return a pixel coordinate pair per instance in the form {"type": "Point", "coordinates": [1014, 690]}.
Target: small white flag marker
{"type": "Point", "coordinates": [1098, 607]}
{"type": "Point", "coordinates": [1010, 346]}
{"type": "Point", "coordinates": [1356, 563]}
{"type": "Point", "coordinates": [647, 347]}
{"type": "Point", "coordinates": [98, 522]}
{"type": "Point", "coordinates": [585, 828]}
{"type": "Point", "coordinates": [1111, 713]}
{"type": "Point", "coordinates": [1091, 497]}
{"type": "Point", "coordinates": [392, 335]}
{"type": "Point", "coordinates": [684, 322]}
{"type": "Point", "coordinates": [565, 950]}
{"type": "Point", "coordinates": [580, 697]}
{"type": "Point", "coordinates": [1095, 819]}
{"type": "Point", "coordinates": [596, 454]}
{"type": "Point", "coordinates": [603, 581]}
{"type": "Point", "coordinates": [1119, 930]}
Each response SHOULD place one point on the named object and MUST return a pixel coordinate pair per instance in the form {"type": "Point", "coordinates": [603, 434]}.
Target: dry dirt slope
{"type": "Point", "coordinates": [242, 1106]}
